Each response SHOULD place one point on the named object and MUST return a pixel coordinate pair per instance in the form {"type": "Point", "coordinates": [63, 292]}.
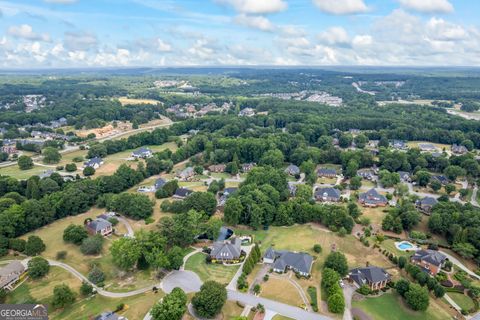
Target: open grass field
{"type": "Point", "coordinates": [125, 101]}
{"type": "Point", "coordinates": [325, 180]}
{"type": "Point", "coordinates": [463, 301]}
{"type": "Point", "coordinates": [415, 144]}
{"type": "Point", "coordinates": [14, 171]}
{"type": "Point", "coordinates": [219, 272]}
{"type": "Point", "coordinates": [281, 290]}
{"type": "Point", "coordinates": [231, 310]}
{"type": "Point", "coordinates": [391, 306]}
{"type": "Point", "coordinates": [375, 215]}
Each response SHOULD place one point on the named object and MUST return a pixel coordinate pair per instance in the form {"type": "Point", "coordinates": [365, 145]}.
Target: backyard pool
{"type": "Point", "coordinates": [405, 246]}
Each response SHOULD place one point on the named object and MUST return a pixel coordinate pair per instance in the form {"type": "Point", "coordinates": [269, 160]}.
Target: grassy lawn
{"type": "Point", "coordinates": [281, 290]}
{"type": "Point", "coordinates": [125, 101]}
{"type": "Point", "coordinates": [217, 272]}
{"type": "Point", "coordinates": [325, 180]}
{"type": "Point", "coordinates": [415, 144]}
{"type": "Point", "coordinates": [231, 310]}
{"type": "Point", "coordinates": [14, 171]}
{"type": "Point", "coordinates": [375, 215]}
{"type": "Point", "coordinates": [368, 183]}
{"type": "Point", "coordinates": [280, 317]}
{"type": "Point", "coordinates": [83, 308]}
{"type": "Point", "coordinates": [464, 301]}
{"type": "Point", "coordinates": [392, 305]}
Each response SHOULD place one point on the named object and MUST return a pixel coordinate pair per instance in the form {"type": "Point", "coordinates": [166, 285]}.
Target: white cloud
{"type": "Point", "coordinates": [439, 29]}
{"type": "Point", "coordinates": [25, 31]}
{"type": "Point", "coordinates": [58, 49]}
{"type": "Point", "coordinates": [362, 40]}
{"type": "Point", "coordinates": [341, 7]}
{"type": "Point", "coordinates": [163, 46]}
{"type": "Point", "coordinates": [334, 35]}
{"type": "Point", "coordinates": [428, 5]}
{"type": "Point", "coordinates": [121, 57]}
{"type": "Point", "coordinates": [80, 41]}
{"type": "Point", "coordinates": [256, 22]}
{"type": "Point", "coordinates": [256, 6]}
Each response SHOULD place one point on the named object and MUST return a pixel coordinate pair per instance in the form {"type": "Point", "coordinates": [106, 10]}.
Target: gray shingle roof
{"type": "Point", "coordinates": [99, 224]}
{"type": "Point", "coordinates": [292, 169]}
{"type": "Point", "coordinates": [430, 256]}
{"type": "Point", "coordinates": [327, 192]}
{"type": "Point", "coordinates": [93, 161]}
{"type": "Point", "coordinates": [226, 250]}
{"type": "Point", "coordinates": [159, 183]}
{"type": "Point", "coordinates": [372, 197]}
{"type": "Point", "coordinates": [428, 201]}
{"type": "Point", "coordinates": [298, 261]}
{"type": "Point", "coordinates": [326, 172]}
{"type": "Point", "coordinates": [369, 274]}
{"type": "Point", "coordinates": [183, 192]}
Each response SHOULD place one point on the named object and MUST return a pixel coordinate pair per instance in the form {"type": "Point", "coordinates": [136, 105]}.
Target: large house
{"type": "Point", "coordinates": [227, 251]}
{"type": "Point", "coordinates": [374, 277]}
{"type": "Point", "coordinates": [368, 174]}
{"type": "Point", "coordinates": [227, 192]}
{"type": "Point", "coordinates": [186, 173]}
{"type": "Point", "coordinates": [430, 261]}
{"type": "Point", "coordinates": [426, 204]}
{"type": "Point", "coordinates": [159, 183]}
{"type": "Point", "coordinates": [283, 261]}
{"type": "Point", "coordinates": [441, 178]}
{"type": "Point", "coordinates": [95, 163]}
{"type": "Point", "coordinates": [405, 176]}
{"type": "Point", "coordinates": [246, 167]}
{"type": "Point", "coordinates": [182, 193]}
{"type": "Point", "coordinates": [99, 226]}
{"type": "Point", "coordinates": [327, 195]}
{"type": "Point", "coordinates": [399, 144]}
{"type": "Point", "coordinates": [10, 274]}
{"type": "Point", "coordinates": [459, 149]}
{"type": "Point", "coordinates": [142, 153]}
{"type": "Point", "coordinates": [326, 172]}
{"type": "Point", "coordinates": [427, 147]}
{"type": "Point", "coordinates": [217, 168]}
{"type": "Point", "coordinates": [372, 198]}
{"type": "Point", "coordinates": [292, 170]}
{"type": "Point", "coordinates": [247, 112]}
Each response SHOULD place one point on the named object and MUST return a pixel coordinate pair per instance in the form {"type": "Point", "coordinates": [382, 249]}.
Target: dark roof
{"type": "Point", "coordinates": [227, 250]}
{"type": "Point", "coordinates": [292, 169]}
{"type": "Point", "coordinates": [229, 191]}
{"type": "Point", "coordinates": [404, 174]}
{"type": "Point", "coordinates": [91, 162]}
{"type": "Point", "coordinates": [299, 261]}
{"type": "Point", "coordinates": [224, 233]}
{"type": "Point", "coordinates": [369, 274]}
{"type": "Point", "coordinates": [142, 151]}
{"type": "Point", "coordinates": [183, 192]}
{"type": "Point", "coordinates": [431, 256]}
{"type": "Point", "coordinates": [327, 192]}
{"type": "Point", "coordinates": [160, 183]}
{"type": "Point", "coordinates": [427, 201]}
{"type": "Point", "coordinates": [99, 224]}
{"type": "Point", "coordinates": [441, 178]}
{"type": "Point", "coordinates": [372, 196]}
{"type": "Point", "coordinates": [109, 315]}
{"type": "Point", "coordinates": [326, 171]}
{"type": "Point", "coordinates": [269, 254]}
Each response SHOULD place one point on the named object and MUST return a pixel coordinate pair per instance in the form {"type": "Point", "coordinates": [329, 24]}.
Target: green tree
{"type": "Point", "coordinates": [33, 190]}
{"type": "Point", "coordinates": [402, 262]}
{"type": "Point", "coordinates": [71, 167]}
{"type": "Point", "coordinates": [417, 297]}
{"type": "Point", "coordinates": [88, 171]}
{"type": "Point", "coordinates": [96, 275]}
{"type": "Point", "coordinates": [86, 289]}
{"type": "Point", "coordinates": [453, 172]}
{"type": "Point", "coordinates": [355, 182]}
{"type": "Point", "coordinates": [125, 253]}
{"type": "Point", "coordinates": [25, 162]}
{"type": "Point", "coordinates": [34, 246]}
{"type": "Point", "coordinates": [92, 245]}
{"type": "Point", "coordinates": [62, 296]}
{"type": "Point", "coordinates": [338, 262]}
{"type": "Point", "coordinates": [208, 302]}
{"type": "Point", "coordinates": [233, 211]}
{"type": "Point", "coordinates": [75, 234]}
{"type": "Point", "coordinates": [272, 158]}
{"type": "Point", "coordinates": [51, 155]}
{"type": "Point", "coordinates": [449, 188]}
{"type": "Point", "coordinates": [38, 267]}
{"type": "Point", "coordinates": [172, 306]}
{"type": "Point", "coordinates": [402, 286]}
{"type": "Point", "coordinates": [135, 206]}
{"type": "Point", "coordinates": [422, 178]}
{"type": "Point", "coordinates": [336, 303]}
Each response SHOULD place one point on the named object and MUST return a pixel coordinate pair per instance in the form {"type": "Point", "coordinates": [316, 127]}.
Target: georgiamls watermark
{"type": "Point", "coordinates": [23, 312]}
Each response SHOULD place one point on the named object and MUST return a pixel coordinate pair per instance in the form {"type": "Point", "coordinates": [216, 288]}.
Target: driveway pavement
{"type": "Point", "coordinates": [188, 281]}
{"type": "Point", "coordinates": [348, 292]}
{"type": "Point", "coordinates": [460, 265]}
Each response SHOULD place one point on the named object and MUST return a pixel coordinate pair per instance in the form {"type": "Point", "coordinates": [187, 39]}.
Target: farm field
{"type": "Point", "coordinates": [125, 100]}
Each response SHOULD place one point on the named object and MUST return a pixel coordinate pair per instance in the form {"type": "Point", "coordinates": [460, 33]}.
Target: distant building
{"type": "Point", "coordinates": [246, 167]}
{"type": "Point", "coordinates": [9, 149]}
{"type": "Point", "coordinates": [327, 195]}
{"type": "Point", "coordinates": [374, 277]}
{"type": "Point", "coordinates": [142, 153]}
{"type": "Point", "coordinates": [458, 149]}
{"type": "Point", "coordinates": [217, 168]}
{"type": "Point", "coordinates": [292, 170]}
{"type": "Point", "coordinates": [426, 204]}
{"type": "Point", "coordinates": [159, 183]}
{"type": "Point", "coordinates": [186, 173]}
{"type": "Point", "coordinates": [292, 189]}
{"type": "Point", "coordinates": [227, 251]}
{"type": "Point", "coordinates": [94, 163]}
{"type": "Point", "coordinates": [367, 174]}
{"type": "Point", "coordinates": [429, 147]}
{"type": "Point", "coordinates": [283, 261]}
{"type": "Point", "coordinates": [10, 274]}
{"type": "Point", "coordinates": [372, 198]}
{"type": "Point", "coordinates": [441, 178]}
{"type": "Point", "coordinates": [46, 174]}
{"type": "Point", "coordinates": [326, 172]}
{"type": "Point", "coordinates": [405, 176]}
{"type": "Point", "coordinates": [182, 193]}
{"type": "Point", "coordinates": [99, 226]}
{"type": "Point", "coordinates": [109, 315]}
{"type": "Point", "coordinates": [227, 192]}
{"type": "Point", "coordinates": [430, 261]}
{"type": "Point", "coordinates": [247, 112]}
{"type": "Point", "coordinates": [399, 144]}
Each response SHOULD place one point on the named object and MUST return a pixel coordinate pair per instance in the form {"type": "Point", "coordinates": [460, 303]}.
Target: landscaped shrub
{"type": "Point", "coordinates": [312, 292]}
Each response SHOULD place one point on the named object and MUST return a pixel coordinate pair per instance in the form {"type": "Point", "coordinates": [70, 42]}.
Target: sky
{"type": "Point", "coordinates": [121, 33]}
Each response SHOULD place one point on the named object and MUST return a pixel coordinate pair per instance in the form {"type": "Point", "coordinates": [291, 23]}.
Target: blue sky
{"type": "Point", "coordinates": [99, 33]}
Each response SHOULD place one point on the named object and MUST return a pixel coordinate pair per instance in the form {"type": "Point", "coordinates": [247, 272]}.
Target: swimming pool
{"type": "Point", "coordinates": [405, 246]}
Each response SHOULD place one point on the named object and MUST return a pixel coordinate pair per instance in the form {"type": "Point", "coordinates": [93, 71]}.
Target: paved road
{"type": "Point", "coordinates": [233, 283]}
{"type": "Point", "coordinates": [275, 306]}
{"type": "Point", "coordinates": [188, 281]}
{"type": "Point", "coordinates": [474, 201]}
{"type": "Point", "coordinates": [460, 265]}
{"type": "Point", "coordinates": [452, 303]}
{"type": "Point", "coordinates": [348, 292]}
{"type": "Point", "coordinates": [127, 225]}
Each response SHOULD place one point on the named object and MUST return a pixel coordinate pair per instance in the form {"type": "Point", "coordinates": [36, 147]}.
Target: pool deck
{"type": "Point", "coordinates": [411, 247]}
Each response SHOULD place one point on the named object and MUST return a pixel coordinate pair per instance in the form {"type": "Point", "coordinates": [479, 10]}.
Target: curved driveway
{"type": "Point", "coordinates": [188, 281]}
